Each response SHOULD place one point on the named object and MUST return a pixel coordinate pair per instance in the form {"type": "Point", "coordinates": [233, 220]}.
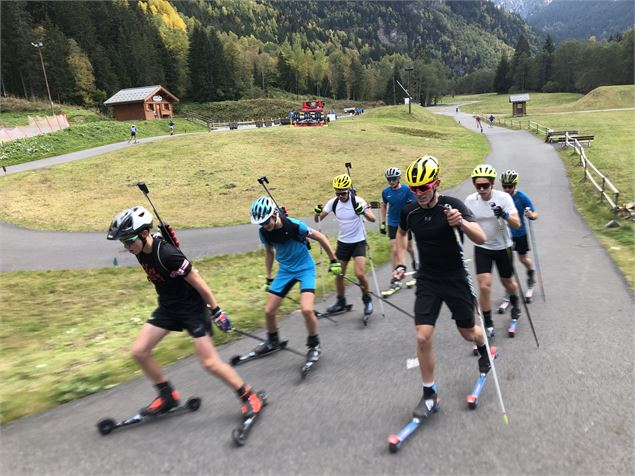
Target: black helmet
{"type": "Point", "coordinates": [129, 222]}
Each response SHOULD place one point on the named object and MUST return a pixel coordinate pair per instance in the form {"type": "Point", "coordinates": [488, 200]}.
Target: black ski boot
{"type": "Point", "coordinates": [313, 354]}
{"type": "Point", "coordinates": [167, 399]}
{"type": "Point", "coordinates": [427, 405]}
{"type": "Point", "coordinates": [339, 306]}
{"type": "Point", "coordinates": [266, 347]}
{"type": "Point", "coordinates": [531, 281]}
{"type": "Point", "coordinates": [515, 312]}
{"type": "Point", "coordinates": [483, 364]}
{"type": "Point", "coordinates": [489, 324]}
{"type": "Point", "coordinates": [368, 304]}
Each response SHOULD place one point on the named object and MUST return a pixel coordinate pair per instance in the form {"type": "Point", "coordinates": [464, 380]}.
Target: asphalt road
{"type": "Point", "coordinates": [570, 402]}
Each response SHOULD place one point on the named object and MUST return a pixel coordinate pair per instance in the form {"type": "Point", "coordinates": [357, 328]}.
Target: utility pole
{"type": "Point", "coordinates": [38, 46]}
{"type": "Point", "coordinates": [409, 69]}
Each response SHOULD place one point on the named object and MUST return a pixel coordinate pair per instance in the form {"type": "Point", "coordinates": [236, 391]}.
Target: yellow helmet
{"type": "Point", "coordinates": [422, 171]}
{"type": "Point", "coordinates": [484, 171]}
{"type": "Point", "coordinates": [342, 181]}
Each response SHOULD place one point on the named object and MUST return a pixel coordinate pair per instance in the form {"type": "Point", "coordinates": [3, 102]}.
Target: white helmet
{"type": "Point", "coordinates": [392, 172]}
{"type": "Point", "coordinates": [262, 209]}
{"type": "Point", "coordinates": [129, 222]}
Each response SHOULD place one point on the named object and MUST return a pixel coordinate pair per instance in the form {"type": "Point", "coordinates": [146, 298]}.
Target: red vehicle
{"type": "Point", "coordinates": [311, 114]}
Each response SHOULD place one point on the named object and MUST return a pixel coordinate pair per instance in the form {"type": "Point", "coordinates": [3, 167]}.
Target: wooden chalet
{"type": "Point", "coordinates": [142, 104]}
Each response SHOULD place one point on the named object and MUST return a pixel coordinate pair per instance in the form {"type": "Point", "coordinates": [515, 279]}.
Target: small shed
{"type": "Point", "coordinates": [519, 104]}
{"type": "Point", "coordinates": [142, 104]}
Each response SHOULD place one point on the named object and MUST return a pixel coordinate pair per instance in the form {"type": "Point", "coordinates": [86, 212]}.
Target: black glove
{"type": "Point", "coordinates": [498, 212]}
{"type": "Point", "coordinates": [359, 209]}
{"type": "Point", "coordinates": [267, 286]}
{"type": "Point", "coordinates": [382, 228]}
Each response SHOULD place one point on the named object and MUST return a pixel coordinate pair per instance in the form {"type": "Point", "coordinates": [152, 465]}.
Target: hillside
{"type": "Point", "coordinates": [572, 19]}
{"type": "Point", "coordinates": [607, 97]}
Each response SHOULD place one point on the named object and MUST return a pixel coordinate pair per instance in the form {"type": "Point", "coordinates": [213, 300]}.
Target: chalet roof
{"type": "Point", "coordinates": [519, 98]}
{"type": "Point", "coordinates": [131, 95]}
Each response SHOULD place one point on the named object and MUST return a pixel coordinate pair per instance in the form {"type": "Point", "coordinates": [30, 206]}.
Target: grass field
{"type": "Point", "coordinates": [612, 153]}
{"type": "Point", "coordinates": [604, 97]}
{"type": "Point", "coordinates": [218, 172]}
{"type": "Point", "coordinates": [58, 345]}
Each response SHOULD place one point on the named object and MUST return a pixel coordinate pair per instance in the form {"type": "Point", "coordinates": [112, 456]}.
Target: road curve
{"type": "Point", "coordinates": [568, 401]}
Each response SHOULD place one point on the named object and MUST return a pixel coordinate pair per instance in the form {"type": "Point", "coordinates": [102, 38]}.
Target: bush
{"type": "Point", "coordinates": [551, 87]}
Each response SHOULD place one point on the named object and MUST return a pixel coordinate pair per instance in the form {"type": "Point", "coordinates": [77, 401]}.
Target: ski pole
{"type": "Point", "coordinates": [470, 283]}
{"type": "Point", "coordinates": [321, 261]}
{"type": "Point", "coordinates": [262, 181]}
{"type": "Point", "coordinates": [255, 337]}
{"type": "Point", "coordinates": [166, 230]}
{"type": "Point", "coordinates": [532, 237]}
{"type": "Point", "coordinates": [381, 299]}
{"type": "Point", "coordinates": [503, 229]}
{"type": "Point", "coordinates": [349, 166]}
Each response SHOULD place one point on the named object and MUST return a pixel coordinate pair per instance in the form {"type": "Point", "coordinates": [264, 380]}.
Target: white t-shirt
{"type": "Point", "coordinates": [351, 227]}
{"type": "Point", "coordinates": [485, 217]}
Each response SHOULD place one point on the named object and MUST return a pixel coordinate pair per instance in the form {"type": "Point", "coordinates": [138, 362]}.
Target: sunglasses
{"type": "Point", "coordinates": [393, 179]}
{"type": "Point", "coordinates": [341, 194]}
{"type": "Point", "coordinates": [509, 185]}
{"type": "Point", "coordinates": [482, 186]}
{"type": "Point", "coordinates": [422, 188]}
{"type": "Point", "coordinates": [129, 241]}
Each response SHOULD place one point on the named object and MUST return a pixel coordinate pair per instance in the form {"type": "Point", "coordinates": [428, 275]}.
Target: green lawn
{"type": "Point", "coordinates": [211, 180]}
{"type": "Point", "coordinates": [66, 334]}
{"type": "Point", "coordinates": [86, 134]}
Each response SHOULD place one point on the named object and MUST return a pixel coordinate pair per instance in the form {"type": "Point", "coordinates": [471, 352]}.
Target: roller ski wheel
{"type": "Point", "coordinates": [249, 356]}
{"type": "Point", "coordinates": [108, 425]}
{"type": "Point", "coordinates": [239, 435]}
{"type": "Point", "coordinates": [325, 315]}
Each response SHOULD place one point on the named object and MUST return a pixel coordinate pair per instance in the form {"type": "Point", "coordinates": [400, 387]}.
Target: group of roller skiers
{"type": "Point", "coordinates": [415, 209]}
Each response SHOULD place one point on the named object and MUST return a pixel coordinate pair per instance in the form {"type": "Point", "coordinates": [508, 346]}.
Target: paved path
{"type": "Point", "coordinates": [570, 402]}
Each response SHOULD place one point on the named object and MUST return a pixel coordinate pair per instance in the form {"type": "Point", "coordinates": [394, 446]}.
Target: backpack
{"type": "Point", "coordinates": [353, 202]}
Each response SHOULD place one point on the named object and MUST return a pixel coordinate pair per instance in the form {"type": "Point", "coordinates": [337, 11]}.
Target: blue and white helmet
{"type": "Point", "coordinates": [392, 172]}
{"type": "Point", "coordinates": [262, 209]}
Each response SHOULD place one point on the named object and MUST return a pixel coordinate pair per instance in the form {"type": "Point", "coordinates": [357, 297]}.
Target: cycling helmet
{"type": "Point", "coordinates": [422, 171]}
{"type": "Point", "coordinates": [342, 181]}
{"type": "Point", "coordinates": [484, 171]}
{"type": "Point", "coordinates": [392, 172]}
{"type": "Point", "coordinates": [509, 177]}
{"type": "Point", "coordinates": [129, 222]}
{"type": "Point", "coordinates": [262, 209]}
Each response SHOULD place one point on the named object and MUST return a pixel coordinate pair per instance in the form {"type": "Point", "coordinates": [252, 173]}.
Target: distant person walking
{"type": "Point", "coordinates": [491, 120]}
{"type": "Point", "coordinates": [171, 124]}
{"type": "Point", "coordinates": [133, 134]}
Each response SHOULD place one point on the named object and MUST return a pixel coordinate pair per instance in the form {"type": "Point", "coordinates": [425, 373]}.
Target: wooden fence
{"type": "Point", "coordinates": [212, 125]}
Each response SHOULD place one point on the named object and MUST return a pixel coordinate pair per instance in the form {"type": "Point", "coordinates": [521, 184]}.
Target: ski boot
{"type": "Point", "coordinates": [368, 304]}
{"type": "Point", "coordinates": [266, 347]}
{"type": "Point", "coordinates": [163, 403]}
{"type": "Point", "coordinates": [251, 404]}
{"type": "Point", "coordinates": [489, 325]}
{"type": "Point", "coordinates": [426, 406]}
{"type": "Point", "coordinates": [515, 312]}
{"type": "Point", "coordinates": [312, 358]}
{"type": "Point", "coordinates": [339, 306]}
{"type": "Point", "coordinates": [531, 281]}
{"type": "Point", "coordinates": [484, 365]}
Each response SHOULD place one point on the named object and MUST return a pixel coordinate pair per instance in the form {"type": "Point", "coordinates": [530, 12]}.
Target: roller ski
{"type": "Point", "coordinates": [511, 330]}
{"type": "Point", "coordinates": [156, 409]}
{"type": "Point", "coordinates": [340, 307]}
{"type": "Point", "coordinates": [312, 358]}
{"type": "Point", "coordinates": [484, 368]}
{"type": "Point", "coordinates": [395, 287]}
{"type": "Point", "coordinates": [425, 408]}
{"type": "Point", "coordinates": [251, 409]}
{"type": "Point", "coordinates": [263, 349]}
{"type": "Point", "coordinates": [502, 307]}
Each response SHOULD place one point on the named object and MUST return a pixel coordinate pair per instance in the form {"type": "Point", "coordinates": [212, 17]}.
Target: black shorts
{"type": "Point", "coordinates": [197, 324]}
{"type": "Point", "coordinates": [484, 259]}
{"type": "Point", "coordinates": [521, 245]}
{"type": "Point", "coordinates": [346, 251]}
{"type": "Point", "coordinates": [456, 294]}
{"type": "Point", "coordinates": [392, 232]}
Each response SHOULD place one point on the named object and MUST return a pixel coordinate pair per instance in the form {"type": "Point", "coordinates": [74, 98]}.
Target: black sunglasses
{"type": "Point", "coordinates": [482, 186]}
